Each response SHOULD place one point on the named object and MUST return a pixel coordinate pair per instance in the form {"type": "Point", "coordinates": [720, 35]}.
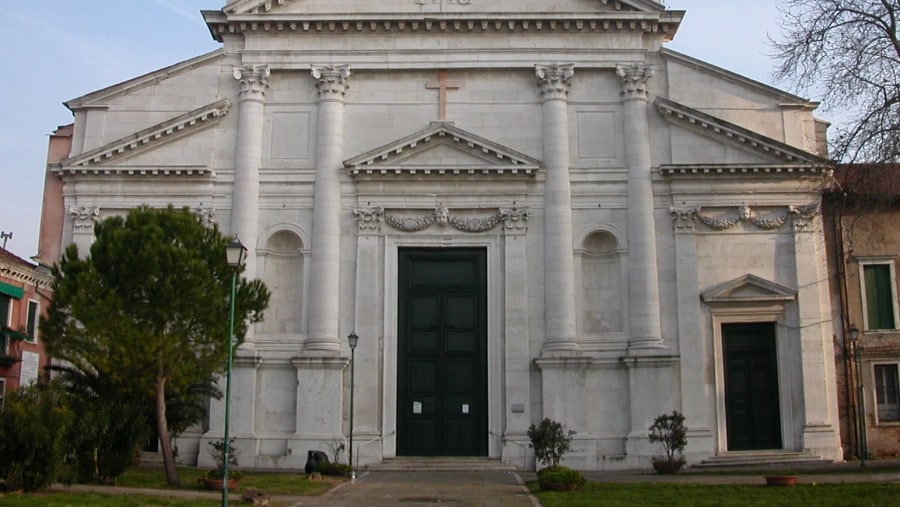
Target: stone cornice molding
{"type": "Point", "coordinates": [749, 288]}
{"type": "Point", "coordinates": [201, 171]}
{"type": "Point", "coordinates": [776, 150]}
{"type": "Point", "coordinates": [664, 23]}
{"type": "Point", "coordinates": [634, 80]}
{"type": "Point", "coordinates": [553, 80]}
{"type": "Point", "coordinates": [392, 158]}
{"type": "Point", "coordinates": [254, 81]}
{"type": "Point", "coordinates": [331, 80]}
{"type": "Point", "coordinates": [793, 170]}
{"type": "Point", "coordinates": [370, 219]}
{"type": "Point", "coordinates": [261, 6]}
{"type": "Point", "coordinates": [84, 217]}
{"type": "Point", "coordinates": [30, 276]}
{"type": "Point", "coordinates": [180, 126]}
{"type": "Point", "coordinates": [683, 217]}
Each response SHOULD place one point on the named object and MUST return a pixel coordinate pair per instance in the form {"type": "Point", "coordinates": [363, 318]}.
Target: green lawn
{"type": "Point", "coordinates": [701, 495]}
{"type": "Point", "coordinates": [291, 484]}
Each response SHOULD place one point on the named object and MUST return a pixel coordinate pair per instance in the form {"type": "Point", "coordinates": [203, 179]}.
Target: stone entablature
{"type": "Point", "coordinates": [776, 150]}
{"type": "Point", "coordinates": [180, 126]}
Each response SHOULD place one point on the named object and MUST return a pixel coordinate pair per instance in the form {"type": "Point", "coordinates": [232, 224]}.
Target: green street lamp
{"type": "Point", "coordinates": [235, 253]}
{"type": "Point", "coordinates": [353, 339]}
{"type": "Point", "coordinates": [862, 442]}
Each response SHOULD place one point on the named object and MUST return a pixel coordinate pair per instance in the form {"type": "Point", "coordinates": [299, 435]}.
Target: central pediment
{"type": "Point", "coordinates": [442, 149]}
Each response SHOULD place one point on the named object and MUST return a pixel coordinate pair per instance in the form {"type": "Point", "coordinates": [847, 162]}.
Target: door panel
{"type": "Point", "coordinates": [442, 353]}
{"type": "Point", "coordinates": [752, 408]}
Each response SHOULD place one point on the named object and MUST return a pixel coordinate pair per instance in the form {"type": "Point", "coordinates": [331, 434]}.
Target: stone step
{"type": "Point", "coordinates": [748, 459]}
{"type": "Point", "coordinates": [438, 464]}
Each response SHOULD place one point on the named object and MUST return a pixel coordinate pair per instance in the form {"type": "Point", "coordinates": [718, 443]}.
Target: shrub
{"type": "Point", "coordinates": [333, 468]}
{"type": "Point", "coordinates": [670, 432]}
{"type": "Point", "coordinates": [33, 444]}
{"type": "Point", "coordinates": [550, 477]}
{"type": "Point", "coordinates": [551, 441]}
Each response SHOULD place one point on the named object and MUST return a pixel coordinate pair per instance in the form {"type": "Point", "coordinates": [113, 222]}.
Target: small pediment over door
{"type": "Point", "coordinates": [749, 289]}
{"type": "Point", "coordinates": [443, 150]}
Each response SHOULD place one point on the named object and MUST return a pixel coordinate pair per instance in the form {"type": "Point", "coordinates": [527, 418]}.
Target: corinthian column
{"type": "Point", "coordinates": [559, 261]}
{"type": "Point", "coordinates": [324, 270]}
{"type": "Point", "coordinates": [254, 81]}
{"type": "Point", "coordinates": [643, 277]}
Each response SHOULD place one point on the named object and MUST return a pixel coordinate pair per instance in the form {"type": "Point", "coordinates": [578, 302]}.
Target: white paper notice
{"type": "Point", "coordinates": [465, 408]}
{"type": "Point", "coordinates": [417, 407]}
{"type": "Point", "coordinates": [29, 371]}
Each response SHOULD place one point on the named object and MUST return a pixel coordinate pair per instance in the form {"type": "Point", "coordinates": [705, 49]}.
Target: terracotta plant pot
{"type": "Point", "coordinates": [559, 486]}
{"type": "Point", "coordinates": [664, 466]}
{"type": "Point", "coordinates": [216, 484]}
{"type": "Point", "coordinates": [781, 480]}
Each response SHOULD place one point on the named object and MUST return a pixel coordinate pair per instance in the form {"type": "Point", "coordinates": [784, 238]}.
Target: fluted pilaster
{"type": "Point", "coordinates": [254, 81]}
{"type": "Point", "coordinates": [559, 261]}
{"type": "Point", "coordinates": [643, 275]}
{"type": "Point", "coordinates": [324, 302]}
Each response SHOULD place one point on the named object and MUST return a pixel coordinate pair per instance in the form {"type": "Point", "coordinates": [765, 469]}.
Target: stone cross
{"type": "Point", "coordinates": [442, 85]}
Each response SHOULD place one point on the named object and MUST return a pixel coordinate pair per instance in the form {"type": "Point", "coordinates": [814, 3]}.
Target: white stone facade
{"type": "Point", "coordinates": [631, 202]}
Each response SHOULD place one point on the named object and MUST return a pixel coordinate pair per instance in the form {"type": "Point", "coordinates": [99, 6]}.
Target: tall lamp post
{"type": "Point", "coordinates": [860, 401]}
{"type": "Point", "coordinates": [235, 253]}
{"type": "Point", "coordinates": [353, 339]}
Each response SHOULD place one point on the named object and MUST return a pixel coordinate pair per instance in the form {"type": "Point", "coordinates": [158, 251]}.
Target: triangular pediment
{"type": "Point", "coordinates": [109, 157]}
{"type": "Point", "coordinates": [442, 149]}
{"type": "Point", "coordinates": [749, 288]}
{"type": "Point", "coordinates": [724, 131]}
{"type": "Point", "coordinates": [239, 7]}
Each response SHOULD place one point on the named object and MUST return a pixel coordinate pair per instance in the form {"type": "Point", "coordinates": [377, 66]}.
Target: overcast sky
{"type": "Point", "coordinates": [52, 51]}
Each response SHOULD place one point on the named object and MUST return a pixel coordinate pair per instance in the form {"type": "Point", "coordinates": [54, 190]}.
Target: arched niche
{"type": "Point", "coordinates": [283, 275]}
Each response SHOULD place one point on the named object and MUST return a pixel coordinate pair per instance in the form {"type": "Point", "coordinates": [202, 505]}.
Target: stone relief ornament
{"type": "Point", "coordinates": [553, 79]}
{"type": "Point", "coordinates": [254, 80]}
{"type": "Point", "coordinates": [683, 217]}
{"type": "Point", "coordinates": [84, 217]}
{"type": "Point", "coordinates": [634, 79]}
{"type": "Point", "coordinates": [331, 80]}
{"type": "Point", "coordinates": [512, 218]}
{"type": "Point", "coordinates": [369, 219]}
{"type": "Point", "coordinates": [207, 216]}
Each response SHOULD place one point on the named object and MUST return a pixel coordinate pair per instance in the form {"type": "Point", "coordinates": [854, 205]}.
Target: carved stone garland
{"type": "Point", "coordinates": [370, 218]}
{"type": "Point", "coordinates": [802, 215]}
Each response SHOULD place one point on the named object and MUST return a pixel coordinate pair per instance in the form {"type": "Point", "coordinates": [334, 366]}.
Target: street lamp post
{"type": "Point", "coordinates": [353, 339]}
{"type": "Point", "coordinates": [235, 253]}
{"type": "Point", "coordinates": [860, 402]}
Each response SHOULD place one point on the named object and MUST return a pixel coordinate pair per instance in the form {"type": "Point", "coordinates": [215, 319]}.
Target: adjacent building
{"type": "Point", "coordinates": [862, 217]}
{"type": "Point", "coordinates": [24, 296]}
{"type": "Point", "coordinates": [523, 210]}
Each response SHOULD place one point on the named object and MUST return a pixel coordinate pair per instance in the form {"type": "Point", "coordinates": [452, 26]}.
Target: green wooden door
{"type": "Point", "coordinates": [752, 411]}
{"type": "Point", "coordinates": [442, 353]}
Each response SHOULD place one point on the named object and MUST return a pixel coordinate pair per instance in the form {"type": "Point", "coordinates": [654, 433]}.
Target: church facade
{"type": "Point", "coordinates": [523, 210]}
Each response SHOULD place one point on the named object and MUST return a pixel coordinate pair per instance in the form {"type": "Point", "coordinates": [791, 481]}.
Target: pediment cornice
{"type": "Point", "coordinates": [718, 128]}
{"type": "Point", "coordinates": [101, 159]}
{"type": "Point", "coordinates": [749, 288]}
{"type": "Point", "coordinates": [262, 16]}
{"type": "Point", "coordinates": [395, 158]}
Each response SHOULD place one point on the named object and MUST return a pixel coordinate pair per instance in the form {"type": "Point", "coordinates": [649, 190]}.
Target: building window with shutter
{"type": "Point", "coordinates": [879, 295]}
{"type": "Point", "coordinates": [887, 393]}
{"type": "Point", "coordinates": [34, 315]}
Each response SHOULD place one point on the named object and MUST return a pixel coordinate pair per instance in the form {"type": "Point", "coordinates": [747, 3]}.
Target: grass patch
{"type": "Point", "coordinates": [701, 495]}
{"type": "Point", "coordinates": [71, 499]}
{"type": "Point", "coordinates": [273, 483]}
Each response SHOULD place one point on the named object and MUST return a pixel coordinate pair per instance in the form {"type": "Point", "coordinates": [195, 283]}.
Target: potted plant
{"type": "Point", "coordinates": [212, 479]}
{"type": "Point", "coordinates": [551, 441]}
{"type": "Point", "coordinates": [670, 432]}
{"type": "Point", "coordinates": [783, 478]}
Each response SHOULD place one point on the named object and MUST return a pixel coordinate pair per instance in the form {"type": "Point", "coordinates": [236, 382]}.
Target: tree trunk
{"type": "Point", "coordinates": [162, 430]}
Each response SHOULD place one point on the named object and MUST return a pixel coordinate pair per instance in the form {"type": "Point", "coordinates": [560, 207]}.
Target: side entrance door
{"type": "Point", "coordinates": [442, 363]}
{"type": "Point", "coordinates": [752, 410]}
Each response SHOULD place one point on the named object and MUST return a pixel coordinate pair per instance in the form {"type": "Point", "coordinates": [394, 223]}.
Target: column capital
{"type": "Point", "coordinates": [634, 80]}
{"type": "Point", "coordinates": [331, 80]}
{"type": "Point", "coordinates": [553, 79]}
{"type": "Point", "coordinates": [254, 81]}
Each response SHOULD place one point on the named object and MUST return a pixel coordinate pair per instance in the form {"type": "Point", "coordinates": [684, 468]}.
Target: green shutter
{"type": "Point", "coordinates": [879, 296]}
{"type": "Point", "coordinates": [12, 290]}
